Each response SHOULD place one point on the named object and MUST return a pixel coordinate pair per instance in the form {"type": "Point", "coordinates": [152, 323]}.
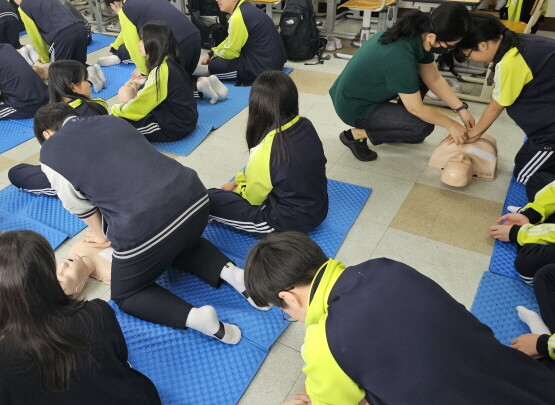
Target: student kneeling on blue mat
{"type": "Point", "coordinates": [533, 229]}
{"type": "Point", "coordinates": [381, 332]}
{"type": "Point", "coordinates": [162, 108]}
{"type": "Point", "coordinates": [53, 30]}
{"type": "Point", "coordinates": [22, 92]}
{"type": "Point", "coordinates": [151, 209]}
{"type": "Point", "coordinates": [284, 185]}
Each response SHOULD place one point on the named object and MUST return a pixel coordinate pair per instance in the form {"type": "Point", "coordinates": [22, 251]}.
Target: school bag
{"type": "Point", "coordinates": [211, 22]}
{"type": "Point", "coordinates": [299, 32]}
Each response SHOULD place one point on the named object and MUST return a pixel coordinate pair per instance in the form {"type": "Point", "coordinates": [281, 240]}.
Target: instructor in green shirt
{"type": "Point", "coordinates": [399, 63]}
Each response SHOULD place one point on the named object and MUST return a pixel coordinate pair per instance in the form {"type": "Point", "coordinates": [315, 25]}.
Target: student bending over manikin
{"type": "Point", "coordinates": [149, 208]}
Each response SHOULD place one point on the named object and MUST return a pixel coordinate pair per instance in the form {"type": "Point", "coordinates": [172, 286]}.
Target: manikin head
{"type": "Point", "coordinates": [279, 271]}
{"type": "Point", "coordinates": [460, 163]}
{"type": "Point", "coordinates": [457, 171]}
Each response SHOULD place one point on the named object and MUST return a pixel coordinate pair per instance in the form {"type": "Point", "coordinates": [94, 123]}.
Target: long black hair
{"type": "Point", "coordinates": [273, 101]}
{"type": "Point", "coordinates": [485, 28]}
{"type": "Point", "coordinates": [34, 309]}
{"type": "Point", "coordinates": [449, 21]}
{"type": "Point", "coordinates": [61, 75]}
{"type": "Point", "coordinates": [159, 43]}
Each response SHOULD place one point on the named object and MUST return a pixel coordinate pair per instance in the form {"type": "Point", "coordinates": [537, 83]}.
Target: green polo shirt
{"type": "Point", "coordinates": [378, 73]}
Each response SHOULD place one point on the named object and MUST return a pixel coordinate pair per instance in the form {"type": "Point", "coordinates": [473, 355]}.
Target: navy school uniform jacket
{"type": "Point", "coordinates": [7, 11]}
{"type": "Point", "coordinates": [382, 331]}
{"type": "Point", "coordinates": [135, 14]}
{"type": "Point", "coordinates": [21, 87]}
{"type": "Point", "coordinates": [108, 379]}
{"type": "Point", "coordinates": [525, 85]}
{"type": "Point", "coordinates": [104, 164]}
{"type": "Point", "coordinates": [293, 190]}
{"type": "Point", "coordinates": [44, 20]}
{"type": "Point", "coordinates": [168, 96]}
{"type": "Point", "coordinates": [89, 108]}
{"type": "Point", "coordinates": [254, 39]}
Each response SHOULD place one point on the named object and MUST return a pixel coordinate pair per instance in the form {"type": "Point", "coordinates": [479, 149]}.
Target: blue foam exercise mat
{"type": "Point", "coordinates": [210, 116]}
{"type": "Point", "coordinates": [495, 302]}
{"type": "Point", "coordinates": [516, 195]}
{"type": "Point", "coordinates": [99, 41]}
{"type": "Point", "coordinates": [185, 146]}
{"type": "Point", "coordinates": [504, 253]}
{"type": "Point", "coordinates": [190, 368]}
{"type": "Point", "coordinates": [14, 222]}
{"type": "Point", "coordinates": [14, 132]}
{"type": "Point", "coordinates": [345, 202]}
{"type": "Point", "coordinates": [116, 76]}
{"type": "Point", "coordinates": [46, 210]}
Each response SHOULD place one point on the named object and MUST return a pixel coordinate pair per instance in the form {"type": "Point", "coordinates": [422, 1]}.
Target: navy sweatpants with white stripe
{"type": "Point", "coordinates": [224, 69]}
{"type": "Point", "coordinates": [8, 112]}
{"type": "Point", "coordinates": [31, 178]}
{"type": "Point", "coordinates": [134, 273]}
{"type": "Point", "coordinates": [150, 128]}
{"type": "Point", "coordinates": [532, 158]}
{"type": "Point", "coordinates": [231, 209]}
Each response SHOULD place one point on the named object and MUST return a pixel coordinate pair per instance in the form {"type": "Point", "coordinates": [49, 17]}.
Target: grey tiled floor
{"type": "Point", "coordinates": [392, 176]}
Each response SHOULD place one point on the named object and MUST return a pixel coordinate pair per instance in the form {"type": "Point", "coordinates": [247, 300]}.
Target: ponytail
{"type": "Point", "coordinates": [449, 21]}
{"type": "Point", "coordinates": [414, 23]}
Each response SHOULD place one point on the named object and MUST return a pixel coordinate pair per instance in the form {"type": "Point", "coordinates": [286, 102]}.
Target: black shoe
{"type": "Point", "coordinates": [359, 147]}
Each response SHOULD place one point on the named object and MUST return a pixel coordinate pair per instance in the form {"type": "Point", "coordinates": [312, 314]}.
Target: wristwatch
{"type": "Point", "coordinates": [464, 106]}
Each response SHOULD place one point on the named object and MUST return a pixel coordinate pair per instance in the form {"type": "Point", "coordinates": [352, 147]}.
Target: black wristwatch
{"type": "Point", "coordinates": [464, 106]}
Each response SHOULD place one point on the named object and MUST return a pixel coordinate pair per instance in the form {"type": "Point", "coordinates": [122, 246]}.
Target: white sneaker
{"type": "Point", "coordinates": [513, 209]}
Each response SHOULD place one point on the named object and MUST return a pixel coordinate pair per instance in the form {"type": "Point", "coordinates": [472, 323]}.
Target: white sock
{"type": "Point", "coordinates": [201, 70]}
{"type": "Point", "coordinates": [220, 89]}
{"type": "Point", "coordinates": [94, 79]}
{"type": "Point", "coordinates": [204, 86]}
{"type": "Point", "coordinates": [32, 53]}
{"type": "Point", "coordinates": [109, 60]}
{"type": "Point", "coordinates": [533, 320]}
{"type": "Point", "coordinates": [205, 320]}
{"type": "Point", "coordinates": [100, 74]}
{"type": "Point", "coordinates": [23, 51]}
{"type": "Point", "coordinates": [236, 278]}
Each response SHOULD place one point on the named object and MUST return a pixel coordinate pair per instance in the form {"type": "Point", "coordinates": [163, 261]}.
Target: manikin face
{"type": "Point", "coordinates": [227, 6]}
{"type": "Point", "coordinates": [485, 51]}
{"type": "Point", "coordinates": [83, 88]}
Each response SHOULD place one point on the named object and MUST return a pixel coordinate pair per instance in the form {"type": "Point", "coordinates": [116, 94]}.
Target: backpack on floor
{"type": "Point", "coordinates": [211, 22]}
{"type": "Point", "coordinates": [298, 30]}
